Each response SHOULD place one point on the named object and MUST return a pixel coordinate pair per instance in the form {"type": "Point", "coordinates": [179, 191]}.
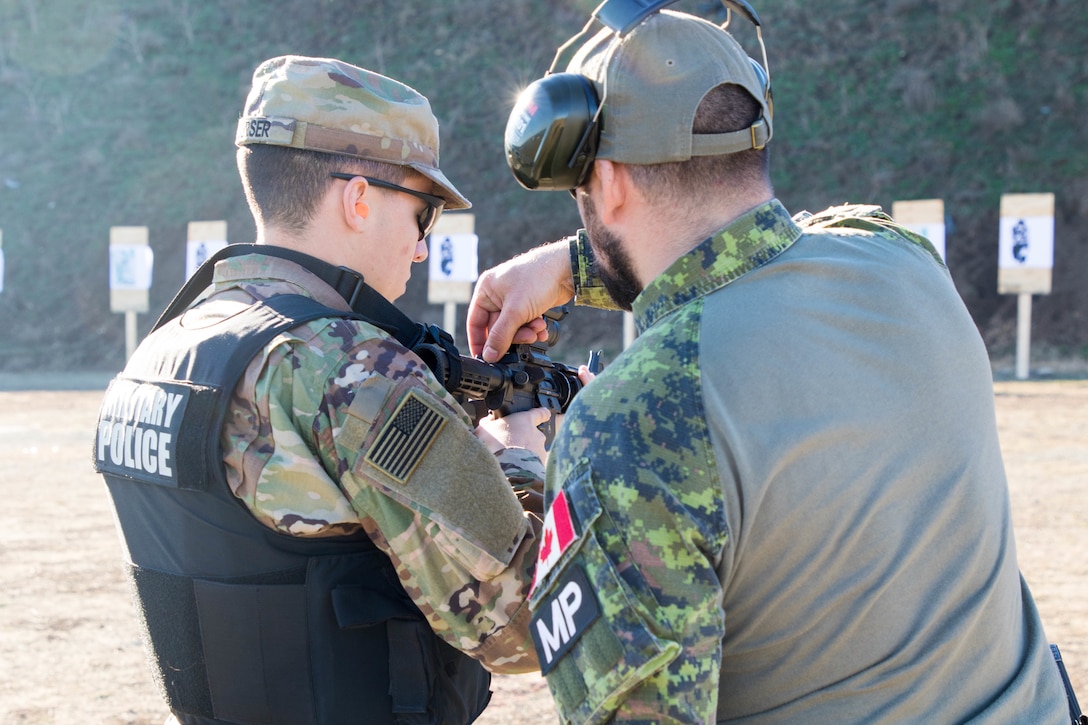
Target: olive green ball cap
{"type": "Point", "coordinates": [651, 81]}
{"type": "Point", "coordinates": [323, 104]}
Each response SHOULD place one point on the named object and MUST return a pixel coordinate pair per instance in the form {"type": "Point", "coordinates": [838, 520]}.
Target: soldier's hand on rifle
{"type": "Point", "coordinates": [509, 300]}
{"type": "Point", "coordinates": [516, 430]}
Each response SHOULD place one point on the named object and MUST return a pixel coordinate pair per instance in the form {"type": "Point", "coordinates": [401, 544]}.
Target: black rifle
{"type": "Point", "coordinates": [524, 378]}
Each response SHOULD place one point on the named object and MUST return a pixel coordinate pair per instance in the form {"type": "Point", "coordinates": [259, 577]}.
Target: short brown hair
{"type": "Point", "coordinates": [284, 185]}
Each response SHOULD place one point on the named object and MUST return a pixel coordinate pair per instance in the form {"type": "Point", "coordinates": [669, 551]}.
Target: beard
{"type": "Point", "coordinates": [614, 267]}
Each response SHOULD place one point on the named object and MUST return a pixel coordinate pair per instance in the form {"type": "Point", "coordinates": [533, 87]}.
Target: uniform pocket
{"type": "Point", "coordinates": [595, 636]}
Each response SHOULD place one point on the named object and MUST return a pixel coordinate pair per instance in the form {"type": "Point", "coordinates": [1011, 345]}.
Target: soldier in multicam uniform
{"type": "Point", "coordinates": [785, 501]}
{"type": "Point", "coordinates": [390, 541]}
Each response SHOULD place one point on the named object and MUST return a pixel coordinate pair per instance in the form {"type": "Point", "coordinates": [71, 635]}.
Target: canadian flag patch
{"type": "Point", "coordinates": [558, 534]}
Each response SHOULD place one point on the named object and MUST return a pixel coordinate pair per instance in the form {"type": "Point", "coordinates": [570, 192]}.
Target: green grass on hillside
{"type": "Point", "coordinates": [122, 112]}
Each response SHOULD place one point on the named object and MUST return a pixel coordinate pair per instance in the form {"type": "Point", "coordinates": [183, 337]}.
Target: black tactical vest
{"type": "Point", "coordinates": [245, 624]}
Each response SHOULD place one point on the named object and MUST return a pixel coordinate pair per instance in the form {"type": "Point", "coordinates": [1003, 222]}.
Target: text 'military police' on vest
{"type": "Point", "coordinates": [138, 430]}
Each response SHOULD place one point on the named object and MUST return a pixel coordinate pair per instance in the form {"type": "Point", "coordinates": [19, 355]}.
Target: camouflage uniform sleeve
{"type": "Point", "coordinates": [646, 633]}
{"type": "Point", "coordinates": [521, 467]}
{"type": "Point", "coordinates": [525, 472]}
{"type": "Point", "coordinates": [588, 289]}
{"type": "Point", "coordinates": [435, 499]}
{"type": "Point", "coordinates": [627, 604]}
{"type": "Point", "coordinates": [344, 431]}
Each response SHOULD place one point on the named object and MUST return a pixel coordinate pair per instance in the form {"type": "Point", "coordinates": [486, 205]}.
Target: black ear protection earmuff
{"type": "Point", "coordinates": [552, 133]}
{"type": "Point", "coordinates": [551, 136]}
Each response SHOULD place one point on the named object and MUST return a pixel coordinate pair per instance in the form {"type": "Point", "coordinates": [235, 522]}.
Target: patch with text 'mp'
{"type": "Point", "coordinates": [562, 618]}
{"type": "Point", "coordinates": [406, 437]}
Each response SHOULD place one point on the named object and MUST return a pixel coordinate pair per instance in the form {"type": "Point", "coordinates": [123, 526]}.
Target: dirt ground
{"type": "Point", "coordinates": [69, 648]}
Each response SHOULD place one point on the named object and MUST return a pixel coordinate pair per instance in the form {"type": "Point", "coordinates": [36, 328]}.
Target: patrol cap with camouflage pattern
{"type": "Point", "coordinates": [651, 80]}
{"type": "Point", "coordinates": [323, 104]}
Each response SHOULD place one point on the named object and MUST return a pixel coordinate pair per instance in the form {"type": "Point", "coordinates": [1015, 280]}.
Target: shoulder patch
{"type": "Point", "coordinates": [559, 532]}
{"type": "Point", "coordinates": [406, 437]}
{"type": "Point", "coordinates": [562, 618]}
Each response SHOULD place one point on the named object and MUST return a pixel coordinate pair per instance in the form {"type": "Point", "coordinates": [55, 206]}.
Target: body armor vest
{"type": "Point", "coordinates": [246, 624]}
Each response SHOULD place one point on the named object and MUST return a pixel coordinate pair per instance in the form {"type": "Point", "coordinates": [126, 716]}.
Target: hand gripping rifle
{"type": "Point", "coordinates": [524, 378]}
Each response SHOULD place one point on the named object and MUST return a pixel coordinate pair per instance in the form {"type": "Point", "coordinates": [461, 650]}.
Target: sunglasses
{"type": "Point", "coordinates": [426, 218]}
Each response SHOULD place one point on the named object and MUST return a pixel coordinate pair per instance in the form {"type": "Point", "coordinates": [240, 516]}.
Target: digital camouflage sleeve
{"type": "Point", "coordinates": [628, 620]}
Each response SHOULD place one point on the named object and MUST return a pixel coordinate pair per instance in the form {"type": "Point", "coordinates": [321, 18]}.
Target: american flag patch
{"type": "Point", "coordinates": [405, 438]}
